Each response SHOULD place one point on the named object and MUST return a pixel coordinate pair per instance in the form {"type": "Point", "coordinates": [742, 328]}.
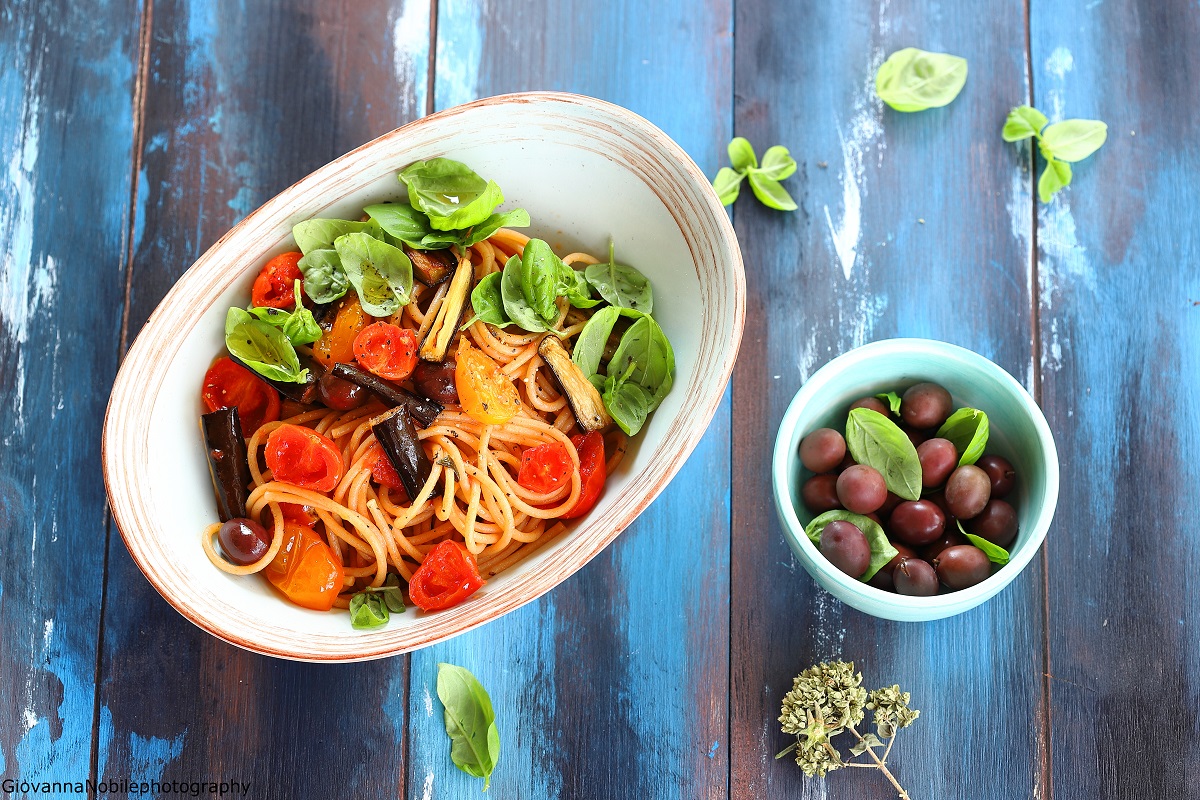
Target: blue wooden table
{"type": "Point", "coordinates": [133, 133]}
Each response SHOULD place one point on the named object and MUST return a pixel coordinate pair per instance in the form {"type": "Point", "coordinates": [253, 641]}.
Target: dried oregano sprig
{"type": "Point", "coordinates": [827, 700]}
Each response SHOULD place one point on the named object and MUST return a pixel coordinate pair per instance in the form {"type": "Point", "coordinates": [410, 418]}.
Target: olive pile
{"type": "Point", "coordinates": [925, 531]}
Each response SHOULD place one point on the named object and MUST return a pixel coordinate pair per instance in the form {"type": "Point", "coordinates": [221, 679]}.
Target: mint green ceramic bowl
{"type": "Point", "coordinates": [1018, 432]}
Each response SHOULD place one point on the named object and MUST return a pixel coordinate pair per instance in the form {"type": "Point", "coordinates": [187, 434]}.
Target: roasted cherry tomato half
{"type": "Point", "coordinates": [275, 285]}
{"type": "Point", "coordinates": [446, 577]}
{"type": "Point", "coordinates": [226, 384]}
{"type": "Point", "coordinates": [384, 473]}
{"type": "Point", "coordinates": [386, 350]}
{"type": "Point", "coordinates": [304, 458]}
{"type": "Point", "coordinates": [305, 569]}
{"type": "Point", "coordinates": [485, 392]}
{"type": "Point", "coordinates": [300, 515]}
{"type": "Point", "coordinates": [544, 468]}
{"type": "Point", "coordinates": [592, 472]}
{"type": "Point", "coordinates": [336, 345]}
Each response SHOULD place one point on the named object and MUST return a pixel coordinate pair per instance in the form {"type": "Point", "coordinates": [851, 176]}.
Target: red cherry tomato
{"type": "Point", "coordinates": [303, 457]}
{"type": "Point", "coordinates": [275, 285]}
{"type": "Point", "coordinates": [226, 384]}
{"type": "Point", "coordinates": [591, 473]}
{"type": "Point", "coordinates": [384, 473]}
{"type": "Point", "coordinates": [446, 577]}
{"type": "Point", "coordinates": [306, 569]}
{"type": "Point", "coordinates": [387, 350]}
{"type": "Point", "coordinates": [544, 468]}
{"type": "Point", "coordinates": [298, 514]}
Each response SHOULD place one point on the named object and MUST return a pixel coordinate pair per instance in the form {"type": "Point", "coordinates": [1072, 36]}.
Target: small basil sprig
{"type": "Point", "coordinates": [406, 224]}
{"type": "Point", "coordinates": [487, 302]}
{"type": "Point", "coordinates": [380, 273]}
{"type": "Point", "coordinates": [620, 285]}
{"type": "Point", "coordinates": [876, 441]}
{"type": "Point", "coordinates": [1068, 141]}
{"type": "Point", "coordinates": [573, 285]}
{"type": "Point", "coordinates": [640, 374]}
{"type": "Point", "coordinates": [516, 307]}
{"type": "Point", "coordinates": [373, 606]}
{"type": "Point", "coordinates": [882, 550]}
{"type": "Point", "coordinates": [892, 399]}
{"type": "Point", "coordinates": [777, 164]}
{"type": "Point", "coordinates": [470, 722]}
{"type": "Point", "coordinates": [914, 80]}
{"type": "Point", "coordinates": [324, 278]}
{"type": "Point", "coordinates": [967, 429]}
{"type": "Point", "coordinates": [298, 326]}
{"type": "Point", "coordinates": [450, 193]}
{"type": "Point", "coordinates": [995, 553]}
{"type": "Point", "coordinates": [262, 347]}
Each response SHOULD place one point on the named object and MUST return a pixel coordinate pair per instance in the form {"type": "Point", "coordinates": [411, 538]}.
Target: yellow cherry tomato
{"type": "Point", "coordinates": [484, 391]}
{"type": "Point", "coordinates": [336, 345]}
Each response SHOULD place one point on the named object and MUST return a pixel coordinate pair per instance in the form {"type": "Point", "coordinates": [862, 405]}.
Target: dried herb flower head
{"type": "Point", "coordinates": [827, 700]}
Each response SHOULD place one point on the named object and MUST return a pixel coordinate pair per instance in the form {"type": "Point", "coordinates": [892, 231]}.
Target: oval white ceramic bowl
{"type": "Point", "coordinates": [1018, 432]}
{"type": "Point", "coordinates": [585, 170]}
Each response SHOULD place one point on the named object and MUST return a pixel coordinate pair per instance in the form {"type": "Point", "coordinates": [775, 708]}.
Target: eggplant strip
{"type": "Point", "coordinates": [303, 393]}
{"type": "Point", "coordinates": [425, 411]}
{"type": "Point", "coordinates": [586, 403]}
{"type": "Point", "coordinates": [227, 461]}
{"type": "Point", "coordinates": [397, 435]}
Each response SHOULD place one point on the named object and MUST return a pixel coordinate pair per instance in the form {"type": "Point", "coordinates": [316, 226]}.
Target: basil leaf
{"type": "Point", "coordinates": [892, 399]}
{"type": "Point", "coordinates": [777, 163]}
{"type": "Point", "coordinates": [1075, 139]}
{"type": "Point", "coordinates": [620, 285]}
{"type": "Point", "coordinates": [324, 278]}
{"type": "Point", "coordinates": [487, 302]}
{"type": "Point", "coordinates": [881, 549]}
{"type": "Point", "coordinates": [298, 326]}
{"type": "Point", "coordinates": [770, 193]}
{"type": "Point", "coordinates": [470, 722]}
{"type": "Point", "coordinates": [450, 193]}
{"type": "Point", "coordinates": [741, 154]}
{"type": "Point", "coordinates": [995, 553]}
{"type": "Point", "coordinates": [876, 441]}
{"type": "Point", "coordinates": [401, 221]}
{"type": "Point", "coordinates": [1023, 122]}
{"type": "Point", "coordinates": [320, 234]}
{"type": "Point", "coordinates": [517, 218]}
{"type": "Point", "coordinates": [914, 80]}
{"type": "Point", "coordinates": [1055, 177]}
{"type": "Point", "coordinates": [589, 346]}
{"type": "Point", "coordinates": [967, 429]}
{"type": "Point", "coordinates": [367, 610]}
{"type": "Point", "coordinates": [393, 595]}
{"type": "Point", "coordinates": [727, 185]}
{"type": "Point", "coordinates": [513, 299]}
{"type": "Point", "coordinates": [379, 272]}
{"type": "Point", "coordinates": [646, 347]}
{"type": "Point", "coordinates": [573, 285]}
{"type": "Point", "coordinates": [627, 402]}
{"type": "Point", "coordinates": [539, 278]}
{"type": "Point", "coordinates": [262, 348]}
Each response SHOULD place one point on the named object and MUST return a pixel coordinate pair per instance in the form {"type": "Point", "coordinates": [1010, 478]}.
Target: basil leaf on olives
{"type": "Point", "coordinates": [881, 549]}
{"type": "Point", "coordinates": [876, 441]}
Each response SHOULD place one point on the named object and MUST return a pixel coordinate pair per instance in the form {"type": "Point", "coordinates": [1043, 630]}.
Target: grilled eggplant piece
{"type": "Point", "coordinates": [398, 437]}
{"type": "Point", "coordinates": [449, 314]}
{"type": "Point", "coordinates": [430, 267]}
{"type": "Point", "coordinates": [423, 410]}
{"type": "Point", "coordinates": [582, 396]}
{"type": "Point", "coordinates": [227, 462]}
{"type": "Point", "coordinates": [305, 393]}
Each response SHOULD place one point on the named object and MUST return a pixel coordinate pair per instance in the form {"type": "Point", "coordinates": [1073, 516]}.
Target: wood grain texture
{"type": "Point", "coordinates": [909, 225]}
{"type": "Point", "coordinates": [240, 102]}
{"type": "Point", "coordinates": [615, 684]}
{"type": "Point", "coordinates": [1120, 357]}
{"type": "Point", "coordinates": [67, 77]}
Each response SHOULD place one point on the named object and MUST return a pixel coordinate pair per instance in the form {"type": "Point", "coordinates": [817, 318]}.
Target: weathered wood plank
{"type": "Point", "coordinates": [615, 684]}
{"type": "Point", "coordinates": [1120, 355]}
{"type": "Point", "coordinates": [67, 78]}
{"type": "Point", "coordinates": [240, 102]}
{"type": "Point", "coordinates": [909, 225]}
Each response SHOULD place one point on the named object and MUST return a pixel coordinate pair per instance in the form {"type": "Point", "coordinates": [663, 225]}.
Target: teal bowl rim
{"type": "Point", "coordinates": [866, 598]}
